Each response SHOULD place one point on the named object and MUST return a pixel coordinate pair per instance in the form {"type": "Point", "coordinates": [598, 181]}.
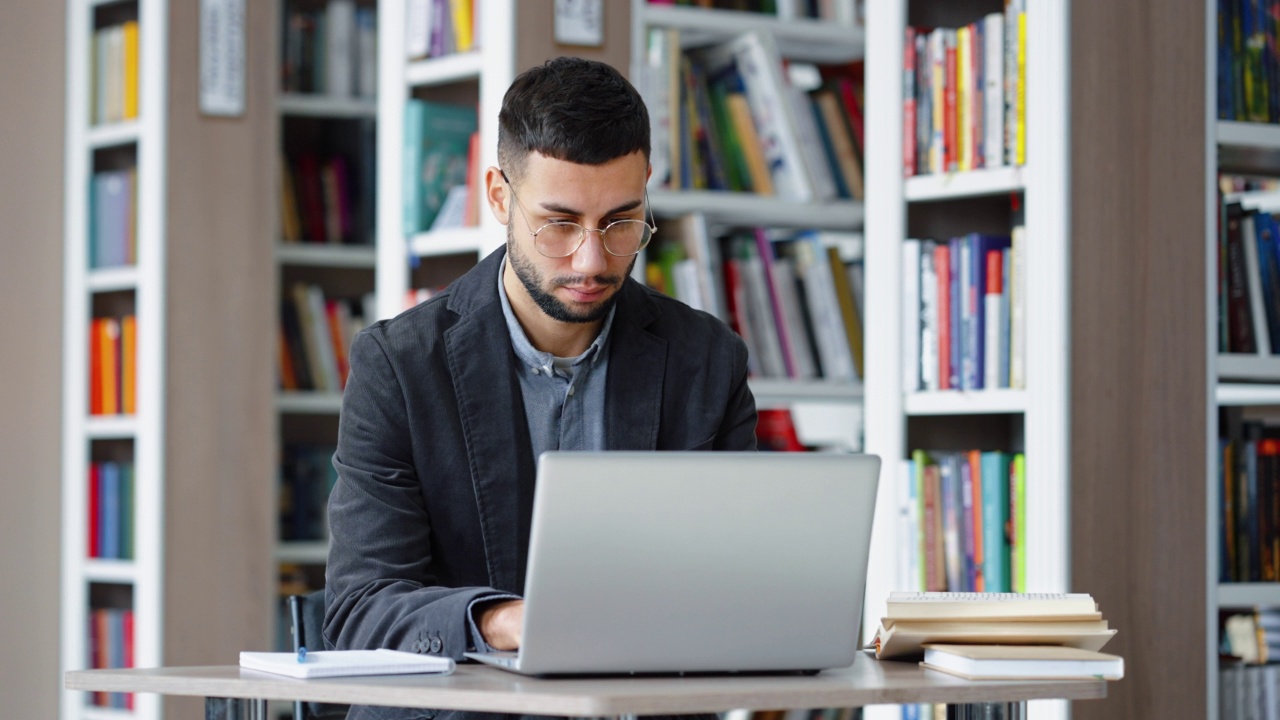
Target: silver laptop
{"type": "Point", "coordinates": [689, 562]}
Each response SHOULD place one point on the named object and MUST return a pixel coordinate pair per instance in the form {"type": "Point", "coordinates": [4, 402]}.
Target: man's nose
{"type": "Point", "coordinates": [591, 258]}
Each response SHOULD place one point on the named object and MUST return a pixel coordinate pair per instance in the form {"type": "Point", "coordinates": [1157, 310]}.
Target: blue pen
{"type": "Point", "coordinates": [302, 654]}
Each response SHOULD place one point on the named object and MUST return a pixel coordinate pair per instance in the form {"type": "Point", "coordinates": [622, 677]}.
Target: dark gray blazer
{"type": "Point", "coordinates": [434, 496]}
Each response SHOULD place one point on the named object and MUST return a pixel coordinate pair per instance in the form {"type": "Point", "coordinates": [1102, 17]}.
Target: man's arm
{"type": "Point", "coordinates": [738, 430]}
{"type": "Point", "coordinates": [381, 592]}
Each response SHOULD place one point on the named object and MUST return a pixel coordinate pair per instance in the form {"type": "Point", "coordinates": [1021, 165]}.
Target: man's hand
{"type": "Point", "coordinates": [502, 624]}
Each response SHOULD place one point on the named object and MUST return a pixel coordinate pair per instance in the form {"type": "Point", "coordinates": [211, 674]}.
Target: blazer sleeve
{"type": "Point", "coordinates": [738, 430]}
{"type": "Point", "coordinates": [380, 591]}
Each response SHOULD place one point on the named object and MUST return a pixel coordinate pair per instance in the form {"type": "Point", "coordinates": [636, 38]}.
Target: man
{"type": "Point", "coordinates": [546, 344]}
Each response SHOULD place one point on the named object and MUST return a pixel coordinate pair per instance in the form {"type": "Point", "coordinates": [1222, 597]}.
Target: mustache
{"type": "Point", "coordinates": [607, 280]}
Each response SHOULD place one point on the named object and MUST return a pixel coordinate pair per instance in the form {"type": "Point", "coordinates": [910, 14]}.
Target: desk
{"type": "Point", "coordinates": [485, 689]}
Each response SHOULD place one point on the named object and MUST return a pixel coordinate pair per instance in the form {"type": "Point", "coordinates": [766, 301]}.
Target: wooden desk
{"type": "Point", "coordinates": [485, 689]}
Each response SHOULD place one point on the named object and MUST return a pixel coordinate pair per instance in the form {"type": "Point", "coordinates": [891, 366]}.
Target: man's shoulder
{"type": "Point", "coordinates": [413, 329]}
{"type": "Point", "coordinates": [674, 317]}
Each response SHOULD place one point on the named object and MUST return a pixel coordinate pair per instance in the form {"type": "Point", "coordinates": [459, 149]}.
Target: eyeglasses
{"type": "Point", "coordinates": [561, 238]}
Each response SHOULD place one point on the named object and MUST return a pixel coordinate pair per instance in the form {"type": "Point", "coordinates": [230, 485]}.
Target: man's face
{"type": "Point", "coordinates": [581, 287]}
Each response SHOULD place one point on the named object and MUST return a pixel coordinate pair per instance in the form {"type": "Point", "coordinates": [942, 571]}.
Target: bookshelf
{"type": "Point", "coordinates": [323, 240]}
{"type": "Point", "coordinates": [159, 202]}
{"type": "Point", "coordinates": [1242, 387]}
{"type": "Point", "coordinates": [833, 406]}
{"type": "Point", "coordinates": [1033, 420]}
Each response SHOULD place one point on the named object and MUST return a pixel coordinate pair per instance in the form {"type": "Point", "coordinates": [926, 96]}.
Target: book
{"type": "Point", "coordinates": [1010, 662]}
{"type": "Point", "coordinates": [342, 663]}
{"type": "Point", "coordinates": [976, 605]}
{"type": "Point", "coordinates": [906, 639]}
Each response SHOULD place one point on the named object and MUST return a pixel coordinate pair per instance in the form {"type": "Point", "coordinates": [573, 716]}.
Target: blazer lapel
{"type": "Point", "coordinates": [637, 368]}
{"type": "Point", "coordinates": [496, 433]}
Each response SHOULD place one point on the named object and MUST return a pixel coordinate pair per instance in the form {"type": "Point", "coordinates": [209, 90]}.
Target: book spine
{"type": "Point", "coordinates": [910, 316]}
{"type": "Point", "coordinates": [909, 104]}
{"type": "Point", "coordinates": [993, 305]}
{"type": "Point", "coordinates": [1253, 278]}
{"type": "Point", "coordinates": [928, 317]}
{"type": "Point", "coordinates": [942, 266]}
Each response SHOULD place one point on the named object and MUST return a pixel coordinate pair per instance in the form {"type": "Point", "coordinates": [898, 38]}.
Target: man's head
{"type": "Point", "coordinates": [571, 109]}
{"type": "Point", "coordinates": [573, 146]}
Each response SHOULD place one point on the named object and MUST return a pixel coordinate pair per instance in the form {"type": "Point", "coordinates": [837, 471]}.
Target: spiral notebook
{"type": "Point", "coordinates": [339, 663]}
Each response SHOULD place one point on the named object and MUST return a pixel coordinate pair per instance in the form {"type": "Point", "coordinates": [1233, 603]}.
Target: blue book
{"type": "Point", "coordinates": [415, 113]}
{"type": "Point", "coordinates": [995, 519]}
{"type": "Point", "coordinates": [109, 508]}
{"type": "Point", "coordinates": [115, 650]}
{"type": "Point", "coordinates": [953, 555]}
{"type": "Point", "coordinates": [126, 510]}
{"type": "Point", "coordinates": [976, 325]}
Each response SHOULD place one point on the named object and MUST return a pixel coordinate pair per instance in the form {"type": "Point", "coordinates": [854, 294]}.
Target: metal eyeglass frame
{"type": "Point", "coordinates": [582, 234]}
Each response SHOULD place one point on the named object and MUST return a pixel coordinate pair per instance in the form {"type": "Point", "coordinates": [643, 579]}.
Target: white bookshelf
{"type": "Point", "coordinates": [825, 413]}
{"type": "Point", "coordinates": [488, 70]}
{"type": "Point", "coordinates": [142, 577]}
{"type": "Point", "coordinates": [324, 106]}
{"type": "Point", "coordinates": [1040, 414]}
{"type": "Point", "coordinates": [300, 402]}
{"type": "Point", "coordinates": [358, 257]}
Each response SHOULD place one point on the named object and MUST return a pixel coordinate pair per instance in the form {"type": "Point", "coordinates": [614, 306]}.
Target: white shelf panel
{"type": "Point", "coordinates": [444, 70]}
{"type": "Point", "coordinates": [305, 553]}
{"type": "Point", "coordinates": [800, 39]}
{"type": "Point", "coordinates": [1248, 594]}
{"type": "Point", "coordinates": [974, 183]}
{"type": "Point", "coordinates": [1247, 394]}
{"type": "Point", "coordinates": [1248, 147]}
{"type": "Point", "coordinates": [112, 571]}
{"type": "Point", "coordinates": [958, 402]}
{"type": "Point", "coordinates": [447, 242]}
{"type": "Point", "coordinates": [123, 133]}
{"type": "Point", "coordinates": [112, 279]}
{"type": "Point", "coordinates": [363, 257]}
{"type": "Point", "coordinates": [773, 392]}
{"type": "Point", "coordinates": [309, 403]}
{"type": "Point", "coordinates": [327, 107]}
{"type": "Point", "coordinates": [105, 427]}
{"type": "Point", "coordinates": [746, 209]}
{"type": "Point", "coordinates": [1261, 136]}
{"type": "Point", "coordinates": [1257, 368]}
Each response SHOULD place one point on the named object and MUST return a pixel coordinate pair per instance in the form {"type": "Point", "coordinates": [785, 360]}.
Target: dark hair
{"type": "Point", "coordinates": [572, 109]}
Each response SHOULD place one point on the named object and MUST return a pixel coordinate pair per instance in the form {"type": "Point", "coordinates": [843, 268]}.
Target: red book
{"type": "Point", "coordinates": [949, 160]}
{"type": "Point", "coordinates": [94, 508]}
{"type": "Point", "coordinates": [995, 265]}
{"type": "Point", "coordinates": [975, 473]}
{"type": "Point", "coordinates": [775, 430]}
{"type": "Point", "coordinates": [338, 333]}
{"type": "Point", "coordinates": [849, 98]}
{"type": "Point", "coordinates": [909, 105]}
{"type": "Point", "coordinates": [974, 111]}
{"type": "Point", "coordinates": [942, 266]}
{"type": "Point", "coordinates": [95, 368]}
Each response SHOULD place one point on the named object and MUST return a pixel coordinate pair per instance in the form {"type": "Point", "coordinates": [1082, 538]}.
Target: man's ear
{"type": "Point", "coordinates": [498, 194]}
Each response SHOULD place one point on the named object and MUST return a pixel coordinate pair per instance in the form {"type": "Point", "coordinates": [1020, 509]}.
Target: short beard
{"type": "Point", "coordinates": [550, 304]}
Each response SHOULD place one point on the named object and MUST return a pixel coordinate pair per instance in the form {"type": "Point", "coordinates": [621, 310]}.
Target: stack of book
{"type": "Point", "coordinates": [940, 628]}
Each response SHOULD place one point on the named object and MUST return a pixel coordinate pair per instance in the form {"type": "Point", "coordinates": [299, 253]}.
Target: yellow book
{"type": "Point", "coordinates": [109, 351]}
{"type": "Point", "coordinates": [1020, 147]}
{"type": "Point", "coordinates": [129, 364]}
{"type": "Point", "coordinates": [290, 221]}
{"type": "Point", "coordinates": [131, 69]}
{"type": "Point", "coordinates": [963, 150]}
{"type": "Point", "coordinates": [744, 126]}
{"type": "Point", "coordinates": [462, 25]}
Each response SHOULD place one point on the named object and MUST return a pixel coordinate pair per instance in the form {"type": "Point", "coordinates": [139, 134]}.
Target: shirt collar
{"type": "Point", "coordinates": [534, 357]}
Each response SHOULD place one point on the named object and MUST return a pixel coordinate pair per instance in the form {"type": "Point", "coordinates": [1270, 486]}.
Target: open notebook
{"type": "Point", "coordinates": [337, 663]}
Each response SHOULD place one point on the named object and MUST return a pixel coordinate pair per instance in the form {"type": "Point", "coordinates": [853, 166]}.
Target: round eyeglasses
{"type": "Point", "coordinates": [561, 238]}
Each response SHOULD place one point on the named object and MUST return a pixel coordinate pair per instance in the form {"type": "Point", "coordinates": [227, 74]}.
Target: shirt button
{"type": "Point", "coordinates": [533, 370]}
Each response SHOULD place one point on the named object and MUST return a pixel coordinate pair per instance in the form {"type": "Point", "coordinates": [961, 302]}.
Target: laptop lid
{"type": "Point", "coordinates": [656, 562]}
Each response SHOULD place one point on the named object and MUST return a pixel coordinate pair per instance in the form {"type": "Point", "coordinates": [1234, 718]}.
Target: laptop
{"type": "Point", "coordinates": [695, 562]}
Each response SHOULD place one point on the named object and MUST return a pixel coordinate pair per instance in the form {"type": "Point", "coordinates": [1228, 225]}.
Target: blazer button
{"type": "Point", "coordinates": [436, 645]}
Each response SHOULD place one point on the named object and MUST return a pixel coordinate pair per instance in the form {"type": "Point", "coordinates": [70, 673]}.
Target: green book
{"type": "Point", "coordinates": [1018, 551]}
{"type": "Point", "coordinates": [445, 138]}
